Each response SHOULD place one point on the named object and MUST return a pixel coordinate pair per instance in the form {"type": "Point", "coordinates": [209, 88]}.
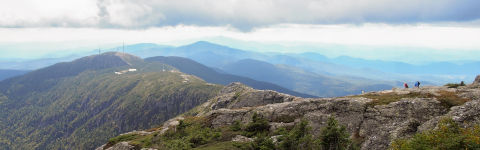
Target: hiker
{"type": "Point", "coordinates": [405, 85]}
{"type": "Point", "coordinates": [462, 83]}
{"type": "Point", "coordinates": [417, 84]}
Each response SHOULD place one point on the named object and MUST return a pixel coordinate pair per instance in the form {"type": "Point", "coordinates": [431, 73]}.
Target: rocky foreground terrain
{"type": "Point", "coordinates": [375, 118]}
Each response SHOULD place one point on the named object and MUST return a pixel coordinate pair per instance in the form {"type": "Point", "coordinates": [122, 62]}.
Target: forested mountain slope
{"type": "Point", "coordinates": [80, 104]}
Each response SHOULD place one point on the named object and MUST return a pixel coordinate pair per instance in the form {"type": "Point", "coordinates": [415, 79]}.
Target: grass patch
{"type": "Point", "coordinates": [452, 85]}
{"type": "Point", "coordinates": [190, 133]}
{"type": "Point", "coordinates": [230, 145]}
{"type": "Point", "coordinates": [154, 129]}
{"type": "Point", "coordinates": [446, 98]}
{"type": "Point", "coordinates": [387, 98]}
{"type": "Point", "coordinates": [121, 138]}
{"type": "Point", "coordinates": [143, 142]}
{"type": "Point", "coordinates": [450, 99]}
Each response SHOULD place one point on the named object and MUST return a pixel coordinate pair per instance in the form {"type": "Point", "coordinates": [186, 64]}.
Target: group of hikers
{"type": "Point", "coordinates": [417, 84]}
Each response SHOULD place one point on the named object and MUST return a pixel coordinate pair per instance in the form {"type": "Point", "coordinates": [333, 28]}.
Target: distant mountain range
{"type": "Point", "coordinates": [295, 79]}
{"type": "Point", "coordinates": [217, 56]}
{"type": "Point", "coordinates": [210, 75]}
{"type": "Point", "coordinates": [360, 73]}
{"type": "Point", "coordinates": [206, 53]}
{"type": "Point", "coordinates": [404, 68]}
{"type": "Point", "coordinates": [32, 64]}
{"type": "Point", "coordinates": [300, 80]}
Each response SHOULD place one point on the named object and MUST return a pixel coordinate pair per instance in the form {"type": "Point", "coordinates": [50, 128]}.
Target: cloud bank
{"type": "Point", "coordinates": [240, 14]}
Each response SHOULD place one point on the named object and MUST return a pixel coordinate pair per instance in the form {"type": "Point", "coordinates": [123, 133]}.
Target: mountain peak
{"type": "Point", "coordinates": [206, 44]}
{"type": "Point", "coordinates": [117, 54]}
{"type": "Point", "coordinates": [234, 87]}
{"type": "Point", "coordinates": [127, 58]}
{"type": "Point", "coordinates": [112, 53]}
{"type": "Point", "coordinates": [108, 59]}
{"type": "Point", "coordinates": [93, 62]}
{"type": "Point", "coordinates": [203, 43]}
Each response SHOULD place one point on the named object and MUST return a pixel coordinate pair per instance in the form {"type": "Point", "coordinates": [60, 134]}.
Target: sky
{"type": "Point", "coordinates": [373, 29]}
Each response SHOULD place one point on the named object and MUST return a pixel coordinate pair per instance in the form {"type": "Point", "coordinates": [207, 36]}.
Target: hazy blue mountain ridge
{"type": "Point", "coordinates": [214, 55]}
{"type": "Point", "coordinates": [300, 80]}
{"type": "Point", "coordinates": [212, 76]}
{"type": "Point", "coordinates": [8, 73]}
{"type": "Point", "coordinates": [348, 68]}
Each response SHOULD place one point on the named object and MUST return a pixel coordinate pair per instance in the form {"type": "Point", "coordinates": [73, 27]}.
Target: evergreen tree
{"type": "Point", "coordinates": [448, 135]}
{"type": "Point", "coordinates": [334, 136]}
{"type": "Point", "coordinates": [259, 125]}
{"type": "Point", "coordinates": [298, 138]}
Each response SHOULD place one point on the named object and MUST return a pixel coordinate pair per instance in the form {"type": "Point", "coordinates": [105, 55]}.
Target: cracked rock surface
{"type": "Point", "coordinates": [376, 126]}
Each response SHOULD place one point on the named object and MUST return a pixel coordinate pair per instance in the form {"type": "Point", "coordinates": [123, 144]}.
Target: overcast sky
{"type": "Point", "coordinates": [443, 25]}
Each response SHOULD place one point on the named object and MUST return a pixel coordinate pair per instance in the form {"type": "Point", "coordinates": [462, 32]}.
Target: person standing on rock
{"type": "Point", "coordinates": [417, 84]}
{"type": "Point", "coordinates": [405, 85]}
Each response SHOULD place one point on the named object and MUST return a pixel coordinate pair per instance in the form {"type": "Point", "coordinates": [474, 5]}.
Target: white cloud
{"type": "Point", "coordinates": [434, 24]}
{"type": "Point", "coordinates": [242, 14]}
{"type": "Point", "coordinates": [31, 13]}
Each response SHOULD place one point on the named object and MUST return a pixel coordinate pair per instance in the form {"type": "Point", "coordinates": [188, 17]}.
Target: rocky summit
{"type": "Point", "coordinates": [374, 119]}
{"type": "Point", "coordinates": [477, 80]}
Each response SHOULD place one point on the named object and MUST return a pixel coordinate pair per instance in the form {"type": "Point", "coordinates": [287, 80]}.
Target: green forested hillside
{"type": "Point", "coordinates": [87, 104]}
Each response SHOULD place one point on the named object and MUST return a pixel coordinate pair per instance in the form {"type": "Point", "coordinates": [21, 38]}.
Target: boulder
{"type": "Point", "coordinates": [467, 115]}
{"type": "Point", "coordinates": [384, 123]}
{"type": "Point", "coordinates": [118, 146]}
{"type": "Point", "coordinates": [237, 95]}
{"type": "Point", "coordinates": [240, 138]}
{"type": "Point", "coordinates": [477, 80]}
